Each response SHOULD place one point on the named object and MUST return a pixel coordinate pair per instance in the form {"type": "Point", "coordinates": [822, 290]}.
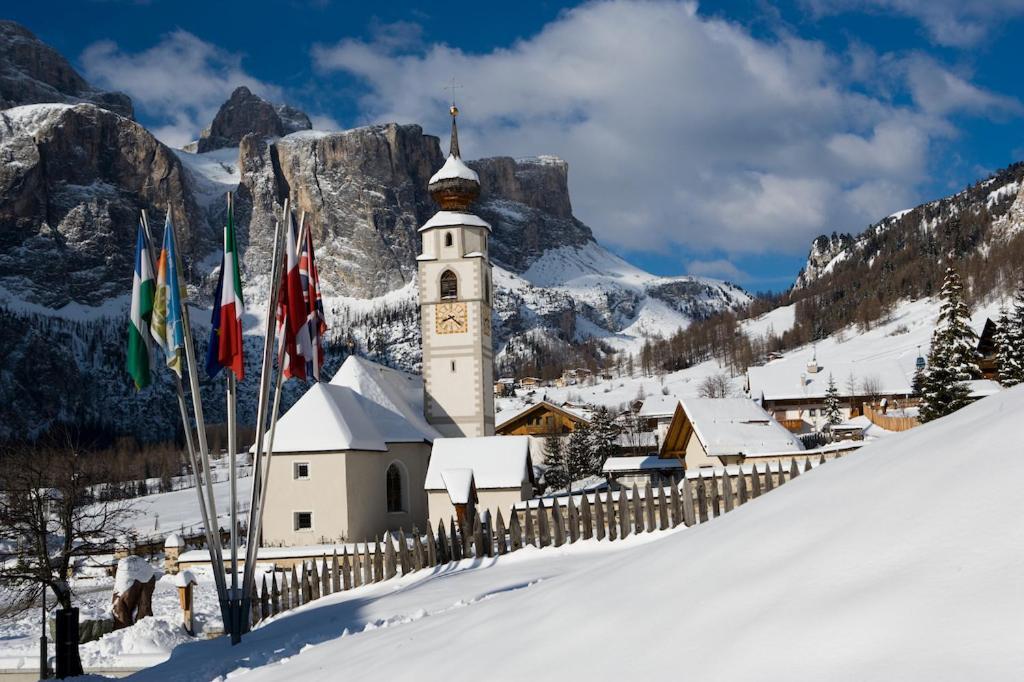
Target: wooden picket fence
{"type": "Point", "coordinates": [613, 515]}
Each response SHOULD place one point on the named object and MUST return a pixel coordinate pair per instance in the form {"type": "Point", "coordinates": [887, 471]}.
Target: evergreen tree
{"type": "Point", "coordinates": [604, 434]}
{"type": "Point", "coordinates": [952, 359]}
{"type": "Point", "coordinates": [578, 453]}
{"type": "Point", "coordinates": [833, 414]}
{"type": "Point", "coordinates": [556, 476]}
{"type": "Point", "coordinates": [1010, 342]}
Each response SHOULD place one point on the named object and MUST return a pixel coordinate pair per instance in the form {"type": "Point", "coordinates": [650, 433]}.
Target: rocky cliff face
{"type": "Point", "coordinates": [245, 113]}
{"type": "Point", "coordinates": [72, 185]}
{"type": "Point", "coordinates": [32, 72]}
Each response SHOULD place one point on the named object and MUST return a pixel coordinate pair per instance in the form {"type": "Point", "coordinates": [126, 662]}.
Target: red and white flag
{"type": "Point", "coordinates": [292, 329]}
{"type": "Point", "coordinates": [315, 319]}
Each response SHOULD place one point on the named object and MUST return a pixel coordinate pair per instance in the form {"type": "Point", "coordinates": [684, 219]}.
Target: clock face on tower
{"type": "Point", "coordinates": [450, 318]}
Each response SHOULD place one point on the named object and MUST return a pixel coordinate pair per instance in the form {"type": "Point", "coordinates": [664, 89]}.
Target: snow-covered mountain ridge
{"type": "Point", "coordinates": [76, 177]}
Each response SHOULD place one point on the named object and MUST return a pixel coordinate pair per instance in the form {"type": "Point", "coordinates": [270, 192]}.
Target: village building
{"type": "Point", "coordinates": [713, 432]}
{"type": "Point", "coordinates": [350, 458]}
{"type": "Point", "coordinates": [625, 472]}
{"type": "Point", "coordinates": [656, 414]}
{"type": "Point", "coordinates": [988, 361]}
{"type": "Point", "coordinates": [485, 474]}
{"type": "Point", "coordinates": [794, 392]}
{"type": "Point", "coordinates": [540, 421]}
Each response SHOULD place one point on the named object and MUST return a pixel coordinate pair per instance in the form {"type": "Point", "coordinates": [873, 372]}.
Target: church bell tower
{"type": "Point", "coordinates": [455, 292]}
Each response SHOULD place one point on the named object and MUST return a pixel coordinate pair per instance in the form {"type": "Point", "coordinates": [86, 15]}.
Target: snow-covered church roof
{"type": "Point", "coordinates": [496, 461]}
{"type": "Point", "coordinates": [364, 407]}
{"type": "Point", "coordinates": [453, 168]}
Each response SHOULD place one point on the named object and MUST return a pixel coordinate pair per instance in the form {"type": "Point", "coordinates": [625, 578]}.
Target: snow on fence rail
{"type": "Point", "coordinates": [696, 499]}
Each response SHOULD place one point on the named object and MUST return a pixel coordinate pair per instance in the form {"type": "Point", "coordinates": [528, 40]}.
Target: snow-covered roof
{"type": "Point", "coordinates": [454, 218]}
{"type": "Point", "coordinates": [788, 378]}
{"type": "Point", "coordinates": [174, 540]}
{"type": "Point", "coordinates": [658, 406]}
{"type": "Point", "coordinates": [981, 388]}
{"type": "Point", "coordinates": [496, 461]}
{"type": "Point", "coordinates": [731, 426]}
{"type": "Point", "coordinates": [514, 413]}
{"type": "Point", "coordinates": [454, 167]}
{"type": "Point", "coordinates": [458, 483]}
{"type": "Point", "coordinates": [648, 463]}
{"type": "Point", "coordinates": [364, 407]}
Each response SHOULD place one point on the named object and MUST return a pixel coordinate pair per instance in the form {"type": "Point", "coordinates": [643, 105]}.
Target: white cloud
{"type": "Point", "coordinates": [680, 129]}
{"type": "Point", "coordinates": [718, 268]}
{"type": "Point", "coordinates": [956, 23]}
{"type": "Point", "coordinates": [181, 81]}
{"type": "Point", "coordinates": [324, 122]}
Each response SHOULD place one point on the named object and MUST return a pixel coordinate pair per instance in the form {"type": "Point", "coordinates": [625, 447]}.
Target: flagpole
{"type": "Point", "coordinates": [256, 516]}
{"type": "Point", "coordinates": [232, 387]}
{"type": "Point", "coordinates": [256, 499]}
{"type": "Point", "coordinates": [211, 533]}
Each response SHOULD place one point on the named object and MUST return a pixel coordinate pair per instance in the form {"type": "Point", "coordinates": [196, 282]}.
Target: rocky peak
{"type": "Point", "coordinates": [32, 72]}
{"type": "Point", "coordinates": [824, 249]}
{"type": "Point", "coordinates": [244, 113]}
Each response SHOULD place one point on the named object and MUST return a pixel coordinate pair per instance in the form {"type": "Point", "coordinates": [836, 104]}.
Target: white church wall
{"type": "Point", "coordinates": [346, 492]}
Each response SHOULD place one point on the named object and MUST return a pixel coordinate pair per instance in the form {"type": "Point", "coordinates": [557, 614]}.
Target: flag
{"type": "Point", "coordinates": [137, 362]}
{"type": "Point", "coordinates": [293, 333]}
{"type": "Point", "coordinates": [226, 347]}
{"type": "Point", "coordinates": [167, 328]}
{"type": "Point", "coordinates": [316, 322]}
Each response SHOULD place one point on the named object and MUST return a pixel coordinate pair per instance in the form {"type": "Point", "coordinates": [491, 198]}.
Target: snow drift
{"type": "Point", "coordinates": [903, 561]}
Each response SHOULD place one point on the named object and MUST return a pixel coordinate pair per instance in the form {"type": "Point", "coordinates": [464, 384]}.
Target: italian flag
{"type": "Point", "coordinates": [137, 362]}
{"type": "Point", "coordinates": [226, 324]}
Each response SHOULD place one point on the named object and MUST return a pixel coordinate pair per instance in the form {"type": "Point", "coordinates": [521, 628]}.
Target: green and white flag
{"type": "Point", "coordinates": [143, 286]}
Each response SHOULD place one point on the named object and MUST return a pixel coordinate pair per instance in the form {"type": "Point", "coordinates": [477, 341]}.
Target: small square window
{"type": "Point", "coordinates": [303, 520]}
{"type": "Point", "coordinates": [301, 471]}
{"type": "Point", "coordinates": [813, 412]}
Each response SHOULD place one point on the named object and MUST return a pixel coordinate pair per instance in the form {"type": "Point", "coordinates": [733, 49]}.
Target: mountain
{"type": "Point", "coordinates": [860, 278]}
{"type": "Point", "coordinates": [32, 72]}
{"type": "Point", "coordinates": [79, 173]}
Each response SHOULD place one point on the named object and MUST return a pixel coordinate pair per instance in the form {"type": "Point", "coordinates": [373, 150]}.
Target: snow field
{"type": "Point", "coordinates": [901, 561]}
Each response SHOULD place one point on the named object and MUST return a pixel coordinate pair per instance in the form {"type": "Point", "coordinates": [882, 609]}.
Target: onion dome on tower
{"type": "Point", "coordinates": [456, 185]}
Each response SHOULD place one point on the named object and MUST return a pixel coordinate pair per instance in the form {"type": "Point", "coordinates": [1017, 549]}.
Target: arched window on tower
{"type": "Point", "coordinates": [449, 285]}
{"type": "Point", "coordinates": [395, 494]}
{"type": "Point", "coordinates": [448, 239]}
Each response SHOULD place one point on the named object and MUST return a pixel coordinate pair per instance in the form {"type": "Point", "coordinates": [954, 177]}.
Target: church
{"type": "Point", "coordinates": [351, 456]}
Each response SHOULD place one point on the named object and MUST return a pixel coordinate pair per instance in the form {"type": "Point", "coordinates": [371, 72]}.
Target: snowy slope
{"type": "Point", "coordinates": [856, 571]}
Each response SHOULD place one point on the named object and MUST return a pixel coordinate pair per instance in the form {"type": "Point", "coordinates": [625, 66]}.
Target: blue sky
{"type": "Point", "coordinates": [714, 138]}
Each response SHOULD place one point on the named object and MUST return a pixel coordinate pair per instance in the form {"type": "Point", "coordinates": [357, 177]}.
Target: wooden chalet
{"type": "Point", "coordinates": [712, 432]}
{"type": "Point", "coordinates": [541, 420]}
{"type": "Point", "coordinates": [987, 360]}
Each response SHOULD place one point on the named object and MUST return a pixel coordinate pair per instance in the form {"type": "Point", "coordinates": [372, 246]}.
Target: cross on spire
{"type": "Point", "coordinates": [451, 88]}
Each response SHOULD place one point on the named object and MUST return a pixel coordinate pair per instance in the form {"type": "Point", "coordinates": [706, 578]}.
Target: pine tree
{"type": "Point", "coordinates": [556, 476]}
{"type": "Point", "coordinates": [833, 414]}
{"type": "Point", "coordinates": [1010, 342]}
{"type": "Point", "coordinates": [604, 435]}
{"type": "Point", "coordinates": [578, 453]}
{"type": "Point", "coordinates": [952, 359]}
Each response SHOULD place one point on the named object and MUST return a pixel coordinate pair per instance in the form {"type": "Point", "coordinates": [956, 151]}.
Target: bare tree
{"type": "Point", "coordinates": [50, 519]}
{"type": "Point", "coordinates": [872, 388]}
{"type": "Point", "coordinates": [718, 385]}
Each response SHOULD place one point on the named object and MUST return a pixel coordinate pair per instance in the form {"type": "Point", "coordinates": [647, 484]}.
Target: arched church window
{"type": "Point", "coordinates": [449, 285]}
{"type": "Point", "coordinates": [394, 488]}
{"type": "Point", "coordinates": [447, 238]}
